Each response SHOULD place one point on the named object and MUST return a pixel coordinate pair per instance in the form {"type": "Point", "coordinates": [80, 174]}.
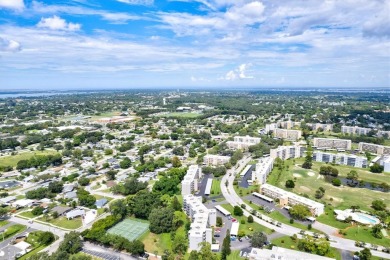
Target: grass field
{"type": "Point", "coordinates": [216, 187]}
{"type": "Point", "coordinates": [13, 230]}
{"type": "Point", "coordinates": [287, 242]}
{"type": "Point", "coordinates": [12, 160]}
{"type": "Point", "coordinates": [64, 222]}
{"type": "Point", "coordinates": [130, 229]}
{"type": "Point", "coordinates": [182, 114]}
{"type": "Point", "coordinates": [308, 181]}
{"type": "Point", "coordinates": [362, 233]}
{"type": "Point", "coordinates": [247, 226]}
{"type": "Point", "coordinates": [3, 223]}
{"type": "Point", "coordinates": [27, 214]}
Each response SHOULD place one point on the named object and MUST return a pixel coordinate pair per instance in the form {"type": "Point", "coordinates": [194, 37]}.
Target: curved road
{"type": "Point", "coordinates": [232, 197]}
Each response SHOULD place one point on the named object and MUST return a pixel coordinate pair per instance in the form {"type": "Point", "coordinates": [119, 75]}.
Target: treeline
{"type": "Point", "coordinates": [9, 143]}
{"type": "Point", "coordinates": [40, 161]}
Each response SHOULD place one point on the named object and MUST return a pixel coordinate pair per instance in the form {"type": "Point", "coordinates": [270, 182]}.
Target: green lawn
{"type": "Point", "coordinates": [308, 181]}
{"type": "Point", "coordinates": [247, 226]}
{"type": "Point", "coordinates": [235, 255]}
{"type": "Point", "coordinates": [216, 187]}
{"type": "Point", "coordinates": [63, 222]}
{"type": "Point", "coordinates": [12, 160]}
{"type": "Point", "coordinates": [3, 223]}
{"type": "Point", "coordinates": [27, 214]}
{"type": "Point", "coordinates": [362, 233]}
{"type": "Point", "coordinates": [329, 219]}
{"type": "Point", "coordinates": [182, 115]}
{"type": "Point", "coordinates": [287, 242]}
{"type": "Point", "coordinates": [13, 230]}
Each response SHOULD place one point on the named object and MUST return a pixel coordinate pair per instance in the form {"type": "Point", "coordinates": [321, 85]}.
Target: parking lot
{"type": "Point", "coordinates": [227, 224]}
{"type": "Point", "coordinates": [100, 254]}
{"type": "Point", "coordinates": [273, 206]}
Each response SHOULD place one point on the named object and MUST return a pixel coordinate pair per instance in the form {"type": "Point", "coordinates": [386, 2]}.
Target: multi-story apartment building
{"type": "Point", "coordinates": [343, 159]}
{"type": "Point", "coordinates": [289, 198]}
{"type": "Point", "coordinates": [190, 182]}
{"type": "Point", "coordinates": [288, 124]}
{"type": "Point", "coordinates": [270, 127]}
{"type": "Point", "coordinates": [329, 143]}
{"type": "Point", "coordinates": [202, 218]}
{"type": "Point", "coordinates": [287, 152]}
{"type": "Point", "coordinates": [374, 148]}
{"type": "Point", "coordinates": [263, 168]}
{"type": "Point", "coordinates": [211, 159]}
{"type": "Point", "coordinates": [278, 253]}
{"type": "Point", "coordinates": [355, 130]}
{"type": "Point", "coordinates": [243, 142]}
{"type": "Point", "coordinates": [316, 126]}
{"type": "Point", "coordinates": [382, 133]}
{"type": "Point", "coordinates": [292, 135]}
{"type": "Point", "coordinates": [386, 164]}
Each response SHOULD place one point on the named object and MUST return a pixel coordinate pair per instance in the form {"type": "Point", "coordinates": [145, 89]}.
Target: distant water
{"type": "Point", "coordinates": [35, 94]}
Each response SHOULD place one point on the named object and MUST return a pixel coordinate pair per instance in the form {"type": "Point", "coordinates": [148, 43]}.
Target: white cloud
{"type": "Point", "coordinates": [137, 2]}
{"type": "Point", "coordinates": [57, 23]}
{"type": "Point", "coordinates": [9, 45]}
{"type": "Point", "coordinates": [12, 4]}
{"type": "Point", "coordinates": [114, 17]}
{"type": "Point", "coordinates": [199, 79]}
{"type": "Point", "coordinates": [239, 73]}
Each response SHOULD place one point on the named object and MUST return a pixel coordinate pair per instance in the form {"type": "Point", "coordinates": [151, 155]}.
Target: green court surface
{"type": "Point", "coordinates": [130, 229]}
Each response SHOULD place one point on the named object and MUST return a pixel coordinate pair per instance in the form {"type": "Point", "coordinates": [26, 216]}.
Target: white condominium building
{"type": "Point", "coordinates": [355, 130]}
{"type": "Point", "coordinates": [287, 152]}
{"type": "Point", "coordinates": [190, 182]}
{"type": "Point", "coordinates": [270, 127]}
{"type": "Point", "coordinates": [344, 159]}
{"type": "Point", "coordinates": [263, 168]}
{"type": "Point", "coordinates": [386, 164]}
{"type": "Point", "coordinates": [289, 198]}
{"type": "Point", "coordinates": [243, 142]}
{"type": "Point", "coordinates": [279, 253]}
{"type": "Point", "coordinates": [292, 135]}
{"type": "Point", "coordinates": [329, 143]}
{"type": "Point", "coordinates": [202, 220]}
{"type": "Point", "coordinates": [374, 148]}
{"type": "Point", "coordinates": [288, 124]}
{"type": "Point", "coordinates": [316, 126]}
{"type": "Point", "coordinates": [382, 133]}
{"type": "Point", "coordinates": [211, 159]}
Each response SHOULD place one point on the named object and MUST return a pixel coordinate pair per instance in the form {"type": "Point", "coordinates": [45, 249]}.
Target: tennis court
{"type": "Point", "coordinates": [130, 229]}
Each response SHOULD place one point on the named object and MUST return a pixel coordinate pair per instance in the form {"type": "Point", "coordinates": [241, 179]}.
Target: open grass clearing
{"type": "Point", "coordinates": [3, 223]}
{"type": "Point", "coordinates": [13, 230]}
{"type": "Point", "coordinates": [27, 214]}
{"type": "Point", "coordinates": [362, 233]}
{"type": "Point", "coordinates": [216, 187]}
{"type": "Point", "coordinates": [12, 160]}
{"type": "Point", "coordinates": [182, 115]}
{"type": "Point", "coordinates": [341, 197]}
{"type": "Point", "coordinates": [63, 222]}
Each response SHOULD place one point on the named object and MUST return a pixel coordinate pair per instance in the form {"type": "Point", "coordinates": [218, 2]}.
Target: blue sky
{"type": "Point", "coordinates": [80, 44]}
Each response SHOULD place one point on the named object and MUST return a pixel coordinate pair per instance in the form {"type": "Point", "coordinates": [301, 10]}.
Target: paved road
{"type": "Point", "coordinates": [97, 249]}
{"type": "Point", "coordinates": [35, 225]}
{"type": "Point", "coordinates": [232, 197]}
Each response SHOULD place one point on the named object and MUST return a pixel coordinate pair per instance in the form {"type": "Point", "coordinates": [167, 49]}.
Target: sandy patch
{"type": "Point", "coordinates": [320, 177]}
{"type": "Point", "coordinates": [305, 188]}
{"type": "Point", "coordinates": [297, 175]}
{"type": "Point", "coordinates": [311, 173]}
